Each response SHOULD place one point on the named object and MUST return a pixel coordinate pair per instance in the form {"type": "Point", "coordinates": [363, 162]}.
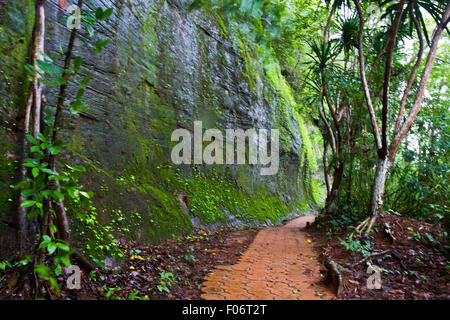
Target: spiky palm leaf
{"type": "Point", "coordinates": [434, 7]}
{"type": "Point", "coordinates": [349, 28]}
{"type": "Point", "coordinates": [323, 54]}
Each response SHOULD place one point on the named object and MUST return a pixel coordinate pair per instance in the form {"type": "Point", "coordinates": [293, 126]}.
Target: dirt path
{"type": "Point", "coordinates": [280, 264]}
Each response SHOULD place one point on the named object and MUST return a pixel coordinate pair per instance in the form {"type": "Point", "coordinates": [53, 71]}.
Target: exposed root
{"type": "Point", "coordinates": [360, 227]}
{"type": "Point", "coordinates": [371, 224]}
{"type": "Point", "coordinates": [370, 256]}
{"type": "Point", "coordinates": [85, 262]}
{"type": "Point", "coordinates": [334, 275]}
{"type": "Point", "coordinates": [367, 224]}
{"type": "Point", "coordinates": [391, 236]}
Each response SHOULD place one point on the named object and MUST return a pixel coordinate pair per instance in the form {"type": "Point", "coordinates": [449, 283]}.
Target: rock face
{"type": "Point", "coordinates": [164, 69]}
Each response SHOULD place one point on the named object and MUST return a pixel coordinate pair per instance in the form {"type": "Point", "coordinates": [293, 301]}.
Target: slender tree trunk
{"type": "Point", "coordinates": [40, 259]}
{"type": "Point", "coordinates": [327, 26]}
{"type": "Point", "coordinates": [22, 235]}
{"type": "Point", "coordinates": [60, 211]}
{"type": "Point", "coordinates": [385, 161]}
{"type": "Point", "coordinates": [376, 202]}
{"type": "Point", "coordinates": [350, 183]}
{"type": "Point", "coordinates": [330, 206]}
{"type": "Point", "coordinates": [325, 168]}
{"type": "Point", "coordinates": [38, 48]}
{"type": "Point", "coordinates": [32, 112]}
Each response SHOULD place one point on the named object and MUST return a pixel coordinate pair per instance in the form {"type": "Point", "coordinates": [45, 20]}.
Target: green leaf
{"type": "Point", "coordinates": [100, 44]}
{"type": "Point", "coordinates": [84, 194]}
{"type": "Point", "coordinates": [27, 203]}
{"type": "Point", "coordinates": [66, 261]}
{"type": "Point", "coordinates": [44, 146]}
{"type": "Point", "coordinates": [99, 13]}
{"type": "Point", "coordinates": [41, 269]}
{"type": "Point", "coordinates": [85, 81]}
{"type": "Point", "coordinates": [58, 270]}
{"type": "Point", "coordinates": [46, 57]}
{"type": "Point", "coordinates": [53, 228]}
{"type": "Point", "coordinates": [46, 193]}
{"type": "Point", "coordinates": [107, 13]}
{"type": "Point", "coordinates": [31, 139]}
{"type": "Point", "coordinates": [35, 172]}
{"type": "Point", "coordinates": [79, 169]}
{"type": "Point", "coordinates": [53, 283]}
{"type": "Point", "coordinates": [102, 15]}
{"type": "Point", "coordinates": [31, 160]}
{"type": "Point", "coordinates": [88, 18]}
{"type": "Point", "coordinates": [27, 193]}
{"type": "Point", "coordinates": [64, 247]}
{"type": "Point", "coordinates": [60, 80]}
{"type": "Point", "coordinates": [33, 213]}
{"type": "Point", "coordinates": [48, 171]}
{"type": "Point", "coordinates": [54, 150]}
{"type": "Point", "coordinates": [89, 29]}
{"type": "Point", "coordinates": [45, 242]}
{"type": "Point", "coordinates": [73, 192]}
{"type": "Point", "coordinates": [51, 248]}
{"type": "Point", "coordinates": [49, 68]}
{"type": "Point", "coordinates": [80, 93]}
{"type": "Point", "coordinates": [21, 184]}
{"type": "Point", "coordinates": [58, 195]}
{"type": "Point", "coordinates": [30, 165]}
{"type": "Point", "coordinates": [41, 137]}
{"type": "Point", "coordinates": [44, 66]}
{"type": "Point", "coordinates": [77, 63]}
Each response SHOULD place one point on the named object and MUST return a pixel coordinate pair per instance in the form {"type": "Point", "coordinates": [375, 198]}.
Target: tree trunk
{"type": "Point", "coordinates": [376, 201]}
{"type": "Point", "coordinates": [330, 206]}
{"type": "Point", "coordinates": [350, 183]}
{"type": "Point", "coordinates": [38, 49]}
{"type": "Point", "coordinates": [325, 168]}
{"type": "Point", "coordinates": [32, 109]}
{"type": "Point", "coordinates": [60, 211]}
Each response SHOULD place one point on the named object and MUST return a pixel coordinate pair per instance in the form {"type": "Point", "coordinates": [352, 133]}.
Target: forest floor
{"type": "Point", "coordinates": [281, 263]}
{"type": "Point", "coordinates": [412, 256]}
{"type": "Point", "coordinates": [170, 270]}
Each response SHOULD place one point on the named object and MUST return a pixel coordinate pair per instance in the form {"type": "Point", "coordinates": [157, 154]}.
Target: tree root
{"type": "Point", "coordinates": [85, 262]}
{"type": "Point", "coordinates": [334, 275]}
{"type": "Point", "coordinates": [370, 256]}
{"type": "Point", "coordinates": [367, 224]}
{"type": "Point", "coordinates": [391, 236]}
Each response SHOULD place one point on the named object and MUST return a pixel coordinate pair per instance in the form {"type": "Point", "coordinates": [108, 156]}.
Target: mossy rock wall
{"type": "Point", "coordinates": [164, 69]}
{"type": "Point", "coordinates": [16, 24]}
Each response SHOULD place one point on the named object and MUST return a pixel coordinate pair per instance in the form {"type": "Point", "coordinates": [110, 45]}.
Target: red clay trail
{"type": "Point", "coordinates": [280, 264]}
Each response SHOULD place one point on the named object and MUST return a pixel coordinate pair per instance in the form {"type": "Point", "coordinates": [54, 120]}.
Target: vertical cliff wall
{"type": "Point", "coordinates": [163, 69]}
